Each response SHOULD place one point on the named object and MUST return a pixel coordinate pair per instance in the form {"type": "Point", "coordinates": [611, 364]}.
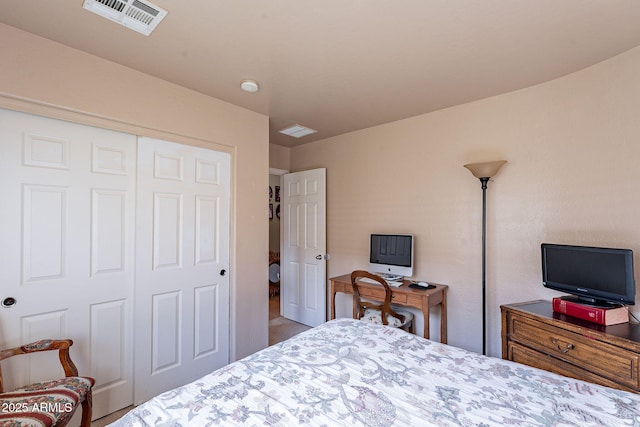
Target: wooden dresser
{"type": "Point", "coordinates": [536, 336]}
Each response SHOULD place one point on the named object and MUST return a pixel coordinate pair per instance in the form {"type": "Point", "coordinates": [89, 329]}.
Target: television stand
{"type": "Point", "coordinates": [536, 336]}
{"type": "Point", "coordinates": [591, 302]}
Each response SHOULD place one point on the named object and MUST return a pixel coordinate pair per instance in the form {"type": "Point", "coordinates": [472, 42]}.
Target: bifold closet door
{"type": "Point", "coordinates": [182, 265]}
{"type": "Point", "coordinates": [67, 251]}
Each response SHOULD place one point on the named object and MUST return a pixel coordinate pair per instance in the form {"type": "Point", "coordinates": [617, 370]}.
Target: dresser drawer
{"type": "Point", "coordinates": [379, 293]}
{"type": "Point", "coordinates": [604, 360]}
{"type": "Point", "coordinates": [527, 356]}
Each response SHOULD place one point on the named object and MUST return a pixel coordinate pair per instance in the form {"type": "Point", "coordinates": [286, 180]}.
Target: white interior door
{"type": "Point", "coordinates": [182, 263]}
{"type": "Point", "coordinates": [66, 251]}
{"type": "Point", "coordinates": [303, 272]}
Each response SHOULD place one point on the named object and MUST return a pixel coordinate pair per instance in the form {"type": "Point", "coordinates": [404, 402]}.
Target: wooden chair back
{"type": "Point", "coordinates": [62, 346]}
{"type": "Point", "coordinates": [361, 305]}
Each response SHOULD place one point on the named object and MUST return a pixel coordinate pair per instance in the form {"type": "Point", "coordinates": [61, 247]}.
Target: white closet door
{"type": "Point", "coordinates": [66, 251]}
{"type": "Point", "coordinates": [182, 265]}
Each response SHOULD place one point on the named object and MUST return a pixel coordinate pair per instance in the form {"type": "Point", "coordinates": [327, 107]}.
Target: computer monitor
{"type": "Point", "coordinates": [391, 254]}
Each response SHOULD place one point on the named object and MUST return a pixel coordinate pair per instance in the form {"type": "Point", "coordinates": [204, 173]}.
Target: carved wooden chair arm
{"type": "Point", "coordinates": [62, 346]}
{"type": "Point", "coordinates": [77, 391]}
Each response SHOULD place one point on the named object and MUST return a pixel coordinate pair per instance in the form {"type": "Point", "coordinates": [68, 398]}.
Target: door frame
{"type": "Point", "coordinates": [280, 173]}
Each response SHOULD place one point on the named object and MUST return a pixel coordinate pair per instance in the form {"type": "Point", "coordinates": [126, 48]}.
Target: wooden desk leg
{"type": "Point", "coordinates": [425, 314]}
{"type": "Point", "coordinates": [443, 318]}
{"type": "Point", "coordinates": [333, 305]}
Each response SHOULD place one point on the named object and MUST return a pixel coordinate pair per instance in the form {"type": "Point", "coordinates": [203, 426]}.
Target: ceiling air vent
{"type": "Point", "coordinates": [138, 15]}
{"type": "Point", "coordinates": [297, 131]}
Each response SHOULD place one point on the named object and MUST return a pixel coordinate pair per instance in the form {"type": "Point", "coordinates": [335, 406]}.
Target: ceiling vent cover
{"type": "Point", "coordinates": [297, 131]}
{"type": "Point", "coordinates": [138, 15]}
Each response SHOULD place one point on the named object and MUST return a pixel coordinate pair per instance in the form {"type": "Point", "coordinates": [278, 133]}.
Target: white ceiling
{"type": "Point", "coordinates": [343, 65]}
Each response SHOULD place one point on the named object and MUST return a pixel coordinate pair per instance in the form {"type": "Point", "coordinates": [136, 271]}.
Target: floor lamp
{"type": "Point", "coordinates": [484, 172]}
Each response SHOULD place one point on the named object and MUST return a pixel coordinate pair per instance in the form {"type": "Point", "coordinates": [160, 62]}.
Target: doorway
{"type": "Point", "coordinates": [280, 328]}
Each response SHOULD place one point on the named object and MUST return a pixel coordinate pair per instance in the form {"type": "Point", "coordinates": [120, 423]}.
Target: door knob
{"type": "Point", "coordinates": [223, 272]}
{"type": "Point", "coordinates": [9, 302]}
{"type": "Point", "coordinates": [319, 257]}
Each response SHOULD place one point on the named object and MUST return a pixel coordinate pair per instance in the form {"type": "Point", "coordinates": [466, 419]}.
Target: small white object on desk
{"type": "Point", "coordinates": [392, 283]}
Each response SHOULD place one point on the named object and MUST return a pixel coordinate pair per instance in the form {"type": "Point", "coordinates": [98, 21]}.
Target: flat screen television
{"type": "Point", "coordinates": [391, 254]}
{"type": "Point", "coordinates": [595, 276]}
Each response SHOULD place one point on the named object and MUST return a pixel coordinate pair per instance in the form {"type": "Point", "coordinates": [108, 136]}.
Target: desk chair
{"type": "Point", "coordinates": [379, 313]}
{"type": "Point", "coordinates": [48, 403]}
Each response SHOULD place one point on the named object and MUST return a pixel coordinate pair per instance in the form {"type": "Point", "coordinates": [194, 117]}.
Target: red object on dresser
{"type": "Point", "coordinates": [599, 315]}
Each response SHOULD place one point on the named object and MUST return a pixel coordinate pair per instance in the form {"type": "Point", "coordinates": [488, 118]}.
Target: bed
{"type": "Point", "coordinates": [349, 372]}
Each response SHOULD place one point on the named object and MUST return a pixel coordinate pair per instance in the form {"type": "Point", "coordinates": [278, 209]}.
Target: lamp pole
{"type": "Point", "coordinates": [484, 172]}
{"type": "Point", "coordinates": [484, 181]}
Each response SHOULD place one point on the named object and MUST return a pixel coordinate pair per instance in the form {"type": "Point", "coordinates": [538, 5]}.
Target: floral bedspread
{"type": "Point", "coordinates": [349, 372]}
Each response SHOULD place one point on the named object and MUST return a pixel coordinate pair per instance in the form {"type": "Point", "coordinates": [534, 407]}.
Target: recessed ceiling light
{"type": "Point", "coordinates": [297, 131]}
{"type": "Point", "coordinates": [249, 86]}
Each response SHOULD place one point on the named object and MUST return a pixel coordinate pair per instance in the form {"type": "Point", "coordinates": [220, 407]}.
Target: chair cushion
{"type": "Point", "coordinates": [44, 404]}
{"type": "Point", "coordinates": [375, 316]}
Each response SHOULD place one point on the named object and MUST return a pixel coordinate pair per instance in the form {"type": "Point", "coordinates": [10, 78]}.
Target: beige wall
{"type": "Point", "coordinates": [279, 157]}
{"type": "Point", "coordinates": [38, 75]}
{"type": "Point", "coordinates": [573, 146]}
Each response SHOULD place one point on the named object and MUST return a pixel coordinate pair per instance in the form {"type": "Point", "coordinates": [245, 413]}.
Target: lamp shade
{"type": "Point", "coordinates": [486, 169]}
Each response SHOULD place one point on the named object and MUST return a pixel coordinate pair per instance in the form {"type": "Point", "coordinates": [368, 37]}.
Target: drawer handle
{"type": "Point", "coordinates": [567, 347]}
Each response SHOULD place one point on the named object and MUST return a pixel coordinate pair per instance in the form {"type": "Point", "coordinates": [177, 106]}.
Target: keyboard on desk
{"type": "Point", "coordinates": [392, 283]}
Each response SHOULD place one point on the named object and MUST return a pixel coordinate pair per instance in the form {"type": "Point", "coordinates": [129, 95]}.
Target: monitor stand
{"type": "Point", "coordinates": [389, 276]}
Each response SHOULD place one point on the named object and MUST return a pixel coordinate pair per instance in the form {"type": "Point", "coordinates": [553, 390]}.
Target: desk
{"type": "Point", "coordinates": [401, 295]}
